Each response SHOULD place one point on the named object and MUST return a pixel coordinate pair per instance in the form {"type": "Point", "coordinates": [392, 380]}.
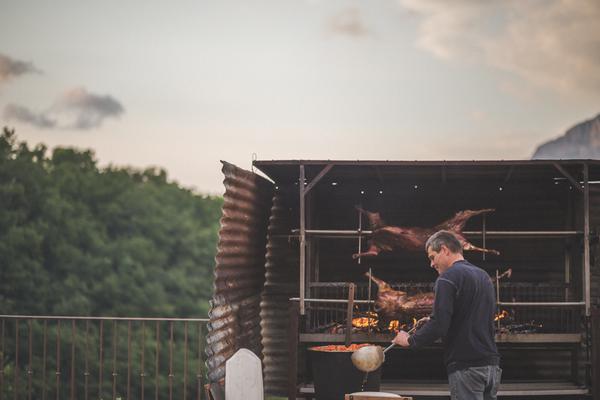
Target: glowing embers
{"type": "Point", "coordinates": [339, 348]}
{"type": "Point", "coordinates": [370, 320]}
{"type": "Point", "coordinates": [501, 315]}
{"type": "Point", "coordinates": [506, 323]}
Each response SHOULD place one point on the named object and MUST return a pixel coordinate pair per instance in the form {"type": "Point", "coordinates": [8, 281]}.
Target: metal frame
{"type": "Point", "coordinates": [586, 240]}
{"type": "Point", "coordinates": [303, 192]}
{"type": "Point", "coordinates": [298, 304]}
{"type": "Point", "coordinates": [583, 188]}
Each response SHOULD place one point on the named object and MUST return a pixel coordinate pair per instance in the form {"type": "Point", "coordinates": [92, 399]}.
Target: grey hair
{"type": "Point", "coordinates": [445, 238]}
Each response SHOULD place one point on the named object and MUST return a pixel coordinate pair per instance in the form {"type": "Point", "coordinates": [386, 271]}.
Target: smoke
{"type": "Point", "coordinates": [75, 109]}
{"type": "Point", "coordinates": [10, 68]}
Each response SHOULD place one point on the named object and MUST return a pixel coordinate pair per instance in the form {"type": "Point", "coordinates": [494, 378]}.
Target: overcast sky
{"type": "Point", "coordinates": [184, 84]}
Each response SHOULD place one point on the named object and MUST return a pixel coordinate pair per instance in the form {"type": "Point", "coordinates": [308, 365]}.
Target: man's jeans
{"type": "Point", "coordinates": [475, 383]}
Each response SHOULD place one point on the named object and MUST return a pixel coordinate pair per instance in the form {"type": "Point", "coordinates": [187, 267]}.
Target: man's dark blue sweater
{"type": "Point", "coordinates": [463, 316]}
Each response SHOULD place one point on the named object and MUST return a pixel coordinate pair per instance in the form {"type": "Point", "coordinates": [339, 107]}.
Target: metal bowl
{"type": "Point", "coordinates": [368, 358]}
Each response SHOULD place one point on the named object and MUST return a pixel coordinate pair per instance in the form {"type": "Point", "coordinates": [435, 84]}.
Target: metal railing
{"type": "Point", "coordinates": [68, 357]}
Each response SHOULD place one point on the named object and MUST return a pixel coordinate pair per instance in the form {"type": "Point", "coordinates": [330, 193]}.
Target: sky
{"type": "Point", "coordinates": [183, 84]}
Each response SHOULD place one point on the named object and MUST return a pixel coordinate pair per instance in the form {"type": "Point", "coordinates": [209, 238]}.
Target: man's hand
{"type": "Point", "coordinates": [401, 339]}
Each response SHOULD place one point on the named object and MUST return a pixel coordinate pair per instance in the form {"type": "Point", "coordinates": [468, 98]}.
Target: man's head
{"type": "Point", "coordinates": [443, 249]}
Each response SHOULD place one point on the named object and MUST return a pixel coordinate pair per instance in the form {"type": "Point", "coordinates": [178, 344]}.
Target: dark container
{"type": "Point", "coordinates": [334, 375]}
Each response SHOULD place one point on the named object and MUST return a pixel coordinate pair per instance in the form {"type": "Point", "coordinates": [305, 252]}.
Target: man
{"type": "Point", "coordinates": [463, 316]}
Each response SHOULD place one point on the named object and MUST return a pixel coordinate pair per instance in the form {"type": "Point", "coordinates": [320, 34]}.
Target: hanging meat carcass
{"type": "Point", "coordinates": [388, 238]}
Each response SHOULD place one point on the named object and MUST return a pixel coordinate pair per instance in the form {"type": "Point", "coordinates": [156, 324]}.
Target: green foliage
{"type": "Point", "coordinates": [80, 240]}
{"type": "Point", "coordinates": [76, 239]}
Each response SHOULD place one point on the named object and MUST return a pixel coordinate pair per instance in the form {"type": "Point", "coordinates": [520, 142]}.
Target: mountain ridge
{"type": "Point", "coordinates": [582, 141]}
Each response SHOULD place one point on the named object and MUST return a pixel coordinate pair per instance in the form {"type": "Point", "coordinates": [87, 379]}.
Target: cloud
{"type": "Point", "coordinates": [23, 114]}
{"type": "Point", "coordinates": [348, 22]}
{"type": "Point", "coordinates": [10, 68]}
{"type": "Point", "coordinates": [84, 110]}
{"type": "Point", "coordinates": [74, 109]}
{"type": "Point", "coordinates": [550, 43]}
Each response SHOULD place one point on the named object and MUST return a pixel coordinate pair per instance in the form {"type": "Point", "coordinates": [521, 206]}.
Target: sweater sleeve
{"type": "Point", "coordinates": [437, 326]}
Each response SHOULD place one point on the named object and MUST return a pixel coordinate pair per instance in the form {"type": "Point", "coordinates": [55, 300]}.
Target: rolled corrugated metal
{"type": "Point", "coordinates": [239, 272]}
{"type": "Point", "coordinates": [281, 283]}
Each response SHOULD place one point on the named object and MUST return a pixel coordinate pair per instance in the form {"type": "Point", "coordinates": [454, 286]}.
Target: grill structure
{"type": "Point", "coordinates": [322, 317]}
{"type": "Point", "coordinates": [542, 226]}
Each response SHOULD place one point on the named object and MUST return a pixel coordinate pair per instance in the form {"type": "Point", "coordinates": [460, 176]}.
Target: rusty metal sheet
{"type": "Point", "coordinates": [239, 275]}
{"type": "Point", "coordinates": [281, 283]}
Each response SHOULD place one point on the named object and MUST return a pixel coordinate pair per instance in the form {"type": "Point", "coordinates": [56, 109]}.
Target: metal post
{"type": "Point", "coordinates": [349, 314]}
{"type": "Point", "coordinates": [360, 236]}
{"type": "Point", "coordinates": [302, 240]}
{"type": "Point", "coordinates": [497, 296]}
{"type": "Point", "coordinates": [483, 237]}
{"type": "Point", "coordinates": [369, 300]}
{"type": "Point", "coordinates": [586, 239]}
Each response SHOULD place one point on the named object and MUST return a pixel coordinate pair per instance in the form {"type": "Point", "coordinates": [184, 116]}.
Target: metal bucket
{"type": "Point", "coordinates": [334, 375]}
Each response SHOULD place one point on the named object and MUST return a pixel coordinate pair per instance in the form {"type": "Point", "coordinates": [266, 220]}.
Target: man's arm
{"type": "Point", "coordinates": [438, 325]}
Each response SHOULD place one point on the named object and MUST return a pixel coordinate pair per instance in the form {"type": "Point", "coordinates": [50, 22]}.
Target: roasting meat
{"type": "Point", "coordinates": [394, 304]}
{"type": "Point", "coordinates": [388, 238]}
{"type": "Point", "coordinates": [398, 305]}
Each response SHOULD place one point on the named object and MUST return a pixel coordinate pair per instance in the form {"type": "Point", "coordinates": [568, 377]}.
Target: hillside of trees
{"type": "Point", "coordinates": [77, 239]}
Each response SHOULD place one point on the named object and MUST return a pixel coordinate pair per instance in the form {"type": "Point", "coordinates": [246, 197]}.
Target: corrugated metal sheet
{"type": "Point", "coordinates": [239, 272]}
{"type": "Point", "coordinates": [281, 284]}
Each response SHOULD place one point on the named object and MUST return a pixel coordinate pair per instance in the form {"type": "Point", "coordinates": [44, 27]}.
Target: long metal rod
{"type": "Point", "coordinates": [128, 360]}
{"type": "Point", "coordinates": [100, 359]}
{"type": "Point", "coordinates": [2, 361]}
{"type": "Point", "coordinates": [317, 178]}
{"type": "Point", "coordinates": [29, 371]}
{"type": "Point", "coordinates": [309, 300]}
{"type": "Point", "coordinates": [508, 304]}
{"type": "Point", "coordinates": [360, 237]}
{"type": "Point", "coordinates": [483, 236]}
{"type": "Point", "coordinates": [302, 240]}
{"type": "Point", "coordinates": [185, 359]}
{"type": "Point", "coordinates": [54, 317]}
{"type": "Point", "coordinates": [199, 366]}
{"type": "Point", "coordinates": [574, 182]}
{"type": "Point", "coordinates": [73, 339]}
{"type": "Point", "coordinates": [543, 304]}
{"type": "Point", "coordinates": [44, 358]}
{"type": "Point", "coordinates": [114, 361]}
{"type": "Point", "coordinates": [156, 368]}
{"type": "Point", "coordinates": [142, 353]}
{"type": "Point", "coordinates": [355, 232]}
{"type": "Point", "coordinates": [86, 372]}
{"type": "Point", "coordinates": [349, 314]}
{"type": "Point", "coordinates": [58, 370]}
{"type": "Point", "coordinates": [586, 239]}
{"type": "Point", "coordinates": [16, 374]}
{"type": "Point", "coordinates": [171, 375]}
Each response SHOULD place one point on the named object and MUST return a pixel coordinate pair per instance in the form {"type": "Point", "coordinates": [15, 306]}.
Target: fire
{"type": "Point", "coordinates": [365, 322]}
{"type": "Point", "coordinates": [394, 325]}
{"type": "Point", "coordinates": [501, 315]}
